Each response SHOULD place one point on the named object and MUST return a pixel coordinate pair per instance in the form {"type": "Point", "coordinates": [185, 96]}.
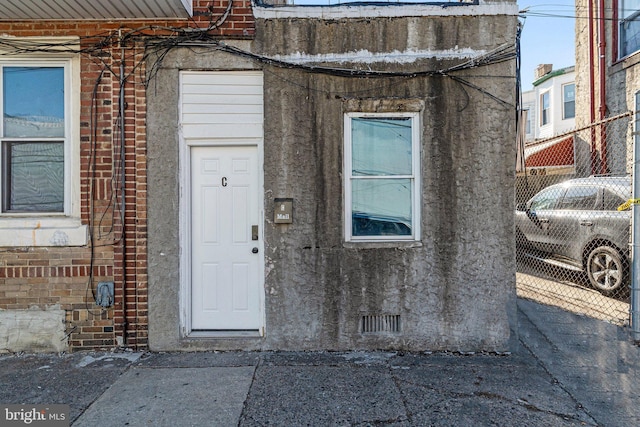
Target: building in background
{"type": "Point", "coordinates": [551, 111]}
{"type": "Point", "coordinates": [608, 81]}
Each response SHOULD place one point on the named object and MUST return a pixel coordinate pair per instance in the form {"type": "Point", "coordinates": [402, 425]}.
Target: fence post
{"type": "Point", "coordinates": [635, 233]}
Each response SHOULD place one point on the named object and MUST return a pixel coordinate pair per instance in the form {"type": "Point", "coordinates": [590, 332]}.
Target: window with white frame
{"type": "Point", "coordinates": [545, 111]}
{"type": "Point", "coordinates": [382, 177]}
{"type": "Point", "coordinates": [528, 122]}
{"type": "Point", "coordinates": [628, 27]}
{"type": "Point", "coordinates": [39, 150]}
{"type": "Point", "coordinates": [569, 101]}
{"type": "Point", "coordinates": [34, 136]}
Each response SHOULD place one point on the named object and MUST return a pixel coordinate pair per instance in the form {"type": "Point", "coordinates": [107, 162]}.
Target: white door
{"type": "Point", "coordinates": [225, 255]}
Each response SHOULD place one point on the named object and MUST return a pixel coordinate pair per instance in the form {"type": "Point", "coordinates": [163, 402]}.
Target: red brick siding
{"type": "Point", "coordinates": [42, 277]}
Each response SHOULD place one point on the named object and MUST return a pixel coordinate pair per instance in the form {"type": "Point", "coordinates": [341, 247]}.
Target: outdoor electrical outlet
{"type": "Point", "coordinates": [104, 294]}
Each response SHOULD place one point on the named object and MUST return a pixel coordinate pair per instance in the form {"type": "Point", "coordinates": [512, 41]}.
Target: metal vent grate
{"type": "Point", "coordinates": [380, 323]}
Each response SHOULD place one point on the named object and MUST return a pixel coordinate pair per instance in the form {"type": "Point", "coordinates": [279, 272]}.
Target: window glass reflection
{"type": "Point", "coordinates": [381, 146]}
{"type": "Point", "coordinates": [547, 199]}
{"type": "Point", "coordinates": [33, 101]}
{"type": "Point", "coordinates": [580, 198]}
{"type": "Point", "coordinates": [381, 207]}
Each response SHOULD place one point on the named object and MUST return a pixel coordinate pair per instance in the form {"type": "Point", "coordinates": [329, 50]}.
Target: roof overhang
{"type": "Point", "coordinates": [94, 9]}
{"type": "Point", "coordinates": [554, 152]}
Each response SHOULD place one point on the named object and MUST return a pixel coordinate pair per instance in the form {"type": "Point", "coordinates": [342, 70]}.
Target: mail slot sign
{"type": "Point", "coordinates": [283, 212]}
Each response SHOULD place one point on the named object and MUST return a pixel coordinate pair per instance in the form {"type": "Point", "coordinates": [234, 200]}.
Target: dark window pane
{"type": "Point", "coordinates": [545, 109]}
{"type": "Point", "coordinates": [381, 207]}
{"type": "Point", "coordinates": [569, 110]}
{"type": "Point", "coordinates": [629, 36]}
{"type": "Point", "coordinates": [613, 200]}
{"type": "Point", "coordinates": [33, 101]}
{"type": "Point", "coordinates": [33, 176]}
{"type": "Point", "coordinates": [569, 99]}
{"type": "Point", "coordinates": [580, 198]}
{"type": "Point", "coordinates": [381, 146]}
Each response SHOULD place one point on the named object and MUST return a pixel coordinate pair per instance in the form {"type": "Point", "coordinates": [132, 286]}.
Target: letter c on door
{"type": "Point", "coordinates": [224, 181]}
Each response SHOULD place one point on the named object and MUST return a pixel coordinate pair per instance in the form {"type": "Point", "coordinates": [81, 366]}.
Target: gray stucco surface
{"type": "Point", "coordinates": [455, 288]}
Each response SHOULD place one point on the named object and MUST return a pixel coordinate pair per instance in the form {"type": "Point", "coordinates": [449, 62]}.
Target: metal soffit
{"type": "Point", "coordinates": [94, 9]}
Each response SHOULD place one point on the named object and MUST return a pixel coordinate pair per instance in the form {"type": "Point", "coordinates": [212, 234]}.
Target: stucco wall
{"type": "Point", "coordinates": [455, 288]}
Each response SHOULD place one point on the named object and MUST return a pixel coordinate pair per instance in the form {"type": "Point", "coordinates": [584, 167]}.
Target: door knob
{"type": "Point", "coordinates": [254, 250]}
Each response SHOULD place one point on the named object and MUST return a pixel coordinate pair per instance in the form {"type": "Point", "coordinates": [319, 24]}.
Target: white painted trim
{"type": "Point", "coordinates": [53, 229]}
{"type": "Point", "coordinates": [384, 11]}
{"type": "Point", "coordinates": [223, 142]}
{"type": "Point", "coordinates": [416, 202]}
{"type": "Point", "coordinates": [366, 57]}
{"type": "Point", "coordinates": [184, 165]}
{"type": "Point", "coordinates": [188, 6]}
{"type": "Point", "coordinates": [66, 46]}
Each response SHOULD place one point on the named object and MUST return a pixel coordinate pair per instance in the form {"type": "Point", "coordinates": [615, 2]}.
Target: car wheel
{"type": "Point", "coordinates": [606, 269]}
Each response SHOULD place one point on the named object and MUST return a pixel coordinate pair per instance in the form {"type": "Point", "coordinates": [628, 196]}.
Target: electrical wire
{"type": "Point", "coordinates": [92, 173]}
{"type": "Point", "coordinates": [157, 42]}
{"type": "Point", "coordinates": [98, 47]}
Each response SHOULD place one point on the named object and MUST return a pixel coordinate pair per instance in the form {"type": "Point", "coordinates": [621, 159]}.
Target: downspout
{"type": "Point", "coordinates": [592, 95]}
{"type": "Point", "coordinates": [602, 89]}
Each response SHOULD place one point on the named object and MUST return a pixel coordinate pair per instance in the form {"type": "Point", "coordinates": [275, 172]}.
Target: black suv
{"type": "Point", "coordinates": [577, 223]}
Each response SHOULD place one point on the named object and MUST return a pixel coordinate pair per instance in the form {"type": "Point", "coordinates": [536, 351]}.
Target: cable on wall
{"type": "Point", "coordinates": [98, 48]}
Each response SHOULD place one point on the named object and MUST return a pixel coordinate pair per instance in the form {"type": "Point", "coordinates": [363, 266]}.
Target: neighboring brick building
{"type": "Point", "coordinates": [607, 80]}
{"type": "Point", "coordinates": [53, 257]}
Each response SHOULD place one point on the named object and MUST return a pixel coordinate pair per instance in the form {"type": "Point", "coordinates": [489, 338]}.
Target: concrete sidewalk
{"type": "Point", "coordinates": [565, 370]}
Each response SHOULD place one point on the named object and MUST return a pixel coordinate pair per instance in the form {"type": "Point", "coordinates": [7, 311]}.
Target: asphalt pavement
{"type": "Point", "coordinates": [563, 370]}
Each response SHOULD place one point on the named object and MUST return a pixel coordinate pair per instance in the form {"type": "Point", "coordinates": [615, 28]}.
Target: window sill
{"type": "Point", "coordinates": [398, 244]}
{"type": "Point", "coordinates": [626, 62]}
{"type": "Point", "coordinates": [46, 231]}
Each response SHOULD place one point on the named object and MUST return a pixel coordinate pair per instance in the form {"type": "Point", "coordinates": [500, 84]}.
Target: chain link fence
{"type": "Point", "coordinates": [572, 225]}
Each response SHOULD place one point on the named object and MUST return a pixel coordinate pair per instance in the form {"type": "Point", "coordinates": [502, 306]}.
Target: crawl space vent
{"type": "Point", "coordinates": [380, 323]}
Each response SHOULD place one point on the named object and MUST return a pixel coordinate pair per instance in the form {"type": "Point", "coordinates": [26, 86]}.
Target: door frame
{"type": "Point", "coordinates": [185, 232]}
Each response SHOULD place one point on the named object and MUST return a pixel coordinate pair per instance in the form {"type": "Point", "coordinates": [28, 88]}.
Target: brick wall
{"type": "Point", "coordinates": [49, 276]}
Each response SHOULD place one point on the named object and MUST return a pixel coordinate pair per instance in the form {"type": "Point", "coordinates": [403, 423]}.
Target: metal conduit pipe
{"type": "Point", "coordinates": [592, 85]}
{"type": "Point", "coordinates": [602, 108]}
{"type": "Point", "coordinates": [123, 206]}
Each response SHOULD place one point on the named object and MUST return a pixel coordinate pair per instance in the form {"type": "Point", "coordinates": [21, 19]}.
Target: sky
{"type": "Point", "coordinates": [547, 36]}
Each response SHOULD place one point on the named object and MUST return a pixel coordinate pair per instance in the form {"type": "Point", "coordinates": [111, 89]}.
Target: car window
{"type": "Point", "coordinates": [580, 198]}
{"type": "Point", "coordinates": [612, 200]}
{"type": "Point", "coordinates": [546, 199]}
